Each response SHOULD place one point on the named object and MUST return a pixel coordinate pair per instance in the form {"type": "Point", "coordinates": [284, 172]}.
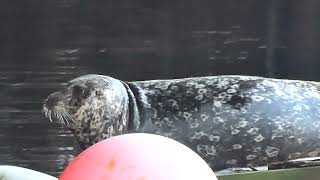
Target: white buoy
{"type": "Point", "coordinates": [19, 173]}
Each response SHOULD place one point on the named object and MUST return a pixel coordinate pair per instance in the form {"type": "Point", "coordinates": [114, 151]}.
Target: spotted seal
{"type": "Point", "coordinates": [229, 120]}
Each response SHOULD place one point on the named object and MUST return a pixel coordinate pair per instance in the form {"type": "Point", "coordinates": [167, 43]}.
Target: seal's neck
{"type": "Point", "coordinates": [137, 107]}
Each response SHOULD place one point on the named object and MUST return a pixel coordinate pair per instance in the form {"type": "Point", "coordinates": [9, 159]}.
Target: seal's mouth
{"type": "Point", "coordinates": [54, 110]}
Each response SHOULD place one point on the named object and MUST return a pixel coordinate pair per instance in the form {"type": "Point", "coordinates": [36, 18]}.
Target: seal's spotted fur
{"type": "Point", "coordinates": [229, 120]}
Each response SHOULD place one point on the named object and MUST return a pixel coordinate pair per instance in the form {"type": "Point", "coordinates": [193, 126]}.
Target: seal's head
{"type": "Point", "coordinates": [94, 107]}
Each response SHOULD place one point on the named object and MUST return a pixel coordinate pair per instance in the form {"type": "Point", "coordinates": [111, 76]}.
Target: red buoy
{"type": "Point", "coordinates": [138, 157]}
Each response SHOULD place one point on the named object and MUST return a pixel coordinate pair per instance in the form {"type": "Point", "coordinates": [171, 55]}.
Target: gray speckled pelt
{"type": "Point", "coordinates": [230, 121]}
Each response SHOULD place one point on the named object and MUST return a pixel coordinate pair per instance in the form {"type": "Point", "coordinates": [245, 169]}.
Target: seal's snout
{"type": "Point", "coordinates": [53, 109]}
{"type": "Point", "coordinates": [52, 100]}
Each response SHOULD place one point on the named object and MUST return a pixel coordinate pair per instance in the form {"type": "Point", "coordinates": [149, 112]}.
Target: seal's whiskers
{"type": "Point", "coordinates": [45, 110]}
{"type": "Point", "coordinates": [61, 115]}
{"type": "Point", "coordinates": [49, 115]}
{"type": "Point", "coordinates": [68, 117]}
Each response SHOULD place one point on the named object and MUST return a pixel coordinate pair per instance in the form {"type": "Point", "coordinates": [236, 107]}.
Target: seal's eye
{"type": "Point", "coordinates": [78, 90]}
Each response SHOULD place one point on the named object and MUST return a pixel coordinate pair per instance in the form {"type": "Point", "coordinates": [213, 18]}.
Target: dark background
{"type": "Point", "coordinates": [45, 43]}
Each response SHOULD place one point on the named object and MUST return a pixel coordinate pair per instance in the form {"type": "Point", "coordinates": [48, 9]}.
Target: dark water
{"type": "Point", "coordinates": [46, 43]}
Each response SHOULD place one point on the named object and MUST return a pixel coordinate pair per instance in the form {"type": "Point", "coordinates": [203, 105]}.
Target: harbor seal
{"type": "Point", "coordinates": [229, 120]}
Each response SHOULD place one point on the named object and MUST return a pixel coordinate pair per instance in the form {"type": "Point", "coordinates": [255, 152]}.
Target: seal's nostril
{"type": "Point", "coordinates": [49, 102]}
{"type": "Point", "coordinates": [45, 101]}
